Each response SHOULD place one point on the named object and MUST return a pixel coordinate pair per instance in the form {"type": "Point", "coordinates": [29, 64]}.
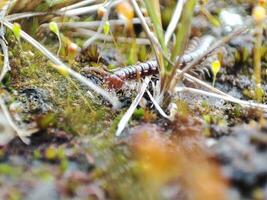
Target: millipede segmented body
{"type": "Point", "coordinates": [117, 78]}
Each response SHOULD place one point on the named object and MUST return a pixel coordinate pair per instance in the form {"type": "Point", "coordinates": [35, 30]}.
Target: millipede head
{"type": "Point", "coordinates": [114, 82]}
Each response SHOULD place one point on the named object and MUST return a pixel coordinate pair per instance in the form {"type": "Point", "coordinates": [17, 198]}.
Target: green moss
{"type": "Point", "coordinates": [238, 111]}
{"type": "Point", "coordinates": [118, 171]}
{"type": "Point", "coordinates": [183, 108]}
{"type": "Point", "coordinates": [43, 173]}
{"type": "Point", "coordinates": [78, 113]}
{"type": "Point", "coordinates": [14, 195]}
{"type": "Point", "coordinates": [139, 113]}
{"type": "Point", "coordinates": [8, 170]}
{"type": "Point", "coordinates": [73, 110]}
{"type": "Point", "coordinates": [36, 154]}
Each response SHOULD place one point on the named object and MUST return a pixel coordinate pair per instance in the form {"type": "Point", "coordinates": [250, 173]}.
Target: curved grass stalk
{"type": "Point", "coordinates": [4, 47]}
{"type": "Point", "coordinates": [112, 99]}
{"type": "Point", "coordinates": [127, 116]}
{"type": "Point", "coordinates": [226, 98]}
{"type": "Point", "coordinates": [23, 134]}
{"type": "Point", "coordinates": [6, 65]}
{"type": "Point", "coordinates": [157, 106]}
{"type": "Point", "coordinates": [203, 84]}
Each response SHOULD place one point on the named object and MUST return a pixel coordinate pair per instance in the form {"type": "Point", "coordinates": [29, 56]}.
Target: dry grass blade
{"type": "Point", "coordinates": [86, 9]}
{"type": "Point", "coordinates": [160, 50]}
{"type": "Point", "coordinates": [23, 134]}
{"type": "Point", "coordinates": [203, 84]}
{"type": "Point", "coordinates": [6, 66]}
{"type": "Point", "coordinates": [93, 24]}
{"type": "Point", "coordinates": [77, 5]}
{"type": "Point", "coordinates": [157, 106]}
{"type": "Point", "coordinates": [153, 9]}
{"type": "Point", "coordinates": [4, 47]}
{"type": "Point", "coordinates": [127, 116]}
{"type": "Point", "coordinates": [81, 11]}
{"type": "Point", "coordinates": [17, 16]}
{"type": "Point", "coordinates": [174, 21]}
{"type": "Point", "coordinates": [153, 40]}
{"type": "Point", "coordinates": [226, 98]}
{"type": "Point", "coordinates": [182, 36]}
{"type": "Point", "coordinates": [108, 38]}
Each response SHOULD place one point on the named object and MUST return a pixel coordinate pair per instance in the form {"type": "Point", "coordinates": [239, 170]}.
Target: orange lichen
{"type": "Point", "coordinates": [262, 2]}
{"type": "Point", "coordinates": [164, 161]}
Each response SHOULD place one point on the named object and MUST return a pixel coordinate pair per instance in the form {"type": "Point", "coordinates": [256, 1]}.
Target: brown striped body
{"type": "Point", "coordinates": [117, 78]}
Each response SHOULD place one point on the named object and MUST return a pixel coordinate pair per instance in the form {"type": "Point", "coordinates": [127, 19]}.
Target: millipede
{"type": "Point", "coordinates": [117, 78]}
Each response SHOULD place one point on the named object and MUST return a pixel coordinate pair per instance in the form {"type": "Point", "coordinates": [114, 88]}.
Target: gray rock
{"type": "Point", "coordinates": [44, 191]}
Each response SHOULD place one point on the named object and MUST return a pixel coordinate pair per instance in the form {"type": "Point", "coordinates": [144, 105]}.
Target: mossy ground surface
{"type": "Point", "coordinates": [75, 154]}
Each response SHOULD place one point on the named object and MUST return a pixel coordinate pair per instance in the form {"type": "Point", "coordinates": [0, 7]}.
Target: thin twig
{"type": "Point", "coordinates": [127, 116]}
{"type": "Point", "coordinates": [182, 36]}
